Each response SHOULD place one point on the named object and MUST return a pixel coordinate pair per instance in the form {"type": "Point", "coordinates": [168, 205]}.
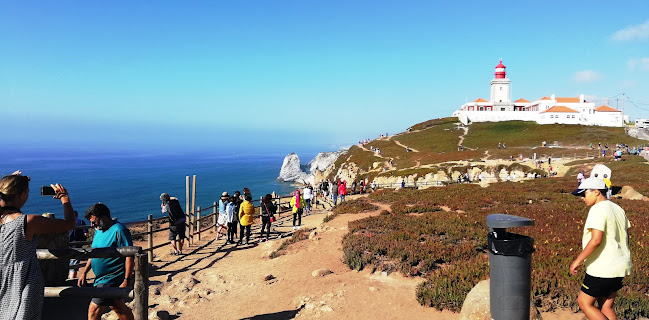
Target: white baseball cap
{"type": "Point", "coordinates": [591, 183]}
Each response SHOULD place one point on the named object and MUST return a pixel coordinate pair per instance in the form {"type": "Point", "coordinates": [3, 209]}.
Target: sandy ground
{"type": "Point", "coordinates": [218, 281]}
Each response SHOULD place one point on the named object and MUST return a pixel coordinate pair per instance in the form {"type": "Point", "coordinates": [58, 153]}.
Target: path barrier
{"type": "Point", "coordinates": [139, 293]}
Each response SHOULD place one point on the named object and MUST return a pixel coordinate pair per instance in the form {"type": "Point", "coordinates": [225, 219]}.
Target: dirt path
{"type": "Point", "coordinates": [404, 146]}
{"type": "Point", "coordinates": [368, 150]}
{"type": "Point", "coordinates": [461, 137]}
{"type": "Point", "coordinates": [218, 281]}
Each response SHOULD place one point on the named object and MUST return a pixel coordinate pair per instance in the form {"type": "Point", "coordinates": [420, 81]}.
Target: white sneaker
{"type": "Point", "coordinates": [299, 227]}
{"type": "Point", "coordinates": [293, 227]}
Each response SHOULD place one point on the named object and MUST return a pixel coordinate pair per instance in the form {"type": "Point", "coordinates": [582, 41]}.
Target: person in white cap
{"type": "Point", "coordinates": [605, 253]}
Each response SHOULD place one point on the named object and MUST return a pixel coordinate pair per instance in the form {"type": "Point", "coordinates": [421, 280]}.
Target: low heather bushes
{"type": "Point", "coordinates": [449, 248]}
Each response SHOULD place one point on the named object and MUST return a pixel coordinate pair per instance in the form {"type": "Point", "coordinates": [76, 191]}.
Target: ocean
{"type": "Point", "coordinates": [130, 184]}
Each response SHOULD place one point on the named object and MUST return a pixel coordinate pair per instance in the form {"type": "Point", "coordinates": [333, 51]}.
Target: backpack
{"type": "Point", "coordinates": [175, 213]}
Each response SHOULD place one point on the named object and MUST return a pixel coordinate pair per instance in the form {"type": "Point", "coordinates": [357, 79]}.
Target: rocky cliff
{"type": "Point", "coordinates": [291, 170]}
{"type": "Point", "coordinates": [323, 160]}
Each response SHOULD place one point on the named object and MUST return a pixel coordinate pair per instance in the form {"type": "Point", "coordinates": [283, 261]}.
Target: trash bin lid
{"type": "Point", "coordinates": [500, 220]}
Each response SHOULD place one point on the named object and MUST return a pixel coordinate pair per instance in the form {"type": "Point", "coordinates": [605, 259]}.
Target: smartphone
{"type": "Point", "coordinates": [47, 191]}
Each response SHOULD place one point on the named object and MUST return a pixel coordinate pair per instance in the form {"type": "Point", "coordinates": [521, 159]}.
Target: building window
{"type": "Point", "coordinates": [502, 109]}
{"type": "Point", "coordinates": [481, 109]}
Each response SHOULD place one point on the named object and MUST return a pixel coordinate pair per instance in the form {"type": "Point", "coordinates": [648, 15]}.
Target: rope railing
{"type": "Point", "coordinates": [139, 293]}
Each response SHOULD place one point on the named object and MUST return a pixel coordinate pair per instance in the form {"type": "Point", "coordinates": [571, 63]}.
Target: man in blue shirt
{"type": "Point", "coordinates": [109, 272]}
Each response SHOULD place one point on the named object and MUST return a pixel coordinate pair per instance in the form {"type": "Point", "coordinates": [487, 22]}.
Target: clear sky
{"type": "Point", "coordinates": [296, 74]}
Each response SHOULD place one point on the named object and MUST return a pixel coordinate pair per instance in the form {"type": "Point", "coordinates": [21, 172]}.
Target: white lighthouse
{"type": "Point", "coordinates": [500, 90]}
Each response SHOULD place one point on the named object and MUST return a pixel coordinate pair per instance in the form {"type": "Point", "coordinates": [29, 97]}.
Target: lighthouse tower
{"type": "Point", "coordinates": [500, 89]}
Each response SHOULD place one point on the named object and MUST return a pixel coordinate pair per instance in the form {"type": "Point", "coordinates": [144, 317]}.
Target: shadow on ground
{"type": "Point", "coordinates": [282, 315]}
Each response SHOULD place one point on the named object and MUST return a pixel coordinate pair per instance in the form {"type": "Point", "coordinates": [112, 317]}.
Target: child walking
{"type": "Point", "coordinates": [605, 253]}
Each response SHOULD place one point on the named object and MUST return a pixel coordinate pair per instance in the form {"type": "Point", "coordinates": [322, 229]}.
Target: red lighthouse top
{"type": "Point", "coordinates": [500, 70]}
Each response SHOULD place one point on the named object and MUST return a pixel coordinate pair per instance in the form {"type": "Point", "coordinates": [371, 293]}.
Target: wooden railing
{"type": "Point", "coordinates": [139, 293]}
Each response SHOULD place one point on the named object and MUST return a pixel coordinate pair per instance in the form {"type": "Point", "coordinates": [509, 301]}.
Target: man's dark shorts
{"type": "Point", "coordinates": [600, 287]}
{"type": "Point", "coordinates": [177, 232]}
{"type": "Point", "coordinates": [105, 302]}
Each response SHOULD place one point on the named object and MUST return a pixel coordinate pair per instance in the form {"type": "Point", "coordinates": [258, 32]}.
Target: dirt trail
{"type": "Point", "coordinates": [368, 150]}
{"type": "Point", "coordinates": [461, 140]}
{"type": "Point", "coordinates": [218, 281]}
{"type": "Point", "coordinates": [404, 146]}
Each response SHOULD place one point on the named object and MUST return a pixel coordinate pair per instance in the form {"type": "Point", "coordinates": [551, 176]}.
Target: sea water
{"type": "Point", "coordinates": [130, 184]}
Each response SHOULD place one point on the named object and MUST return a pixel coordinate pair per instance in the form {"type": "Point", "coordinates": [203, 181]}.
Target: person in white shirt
{"type": "Point", "coordinates": [307, 193]}
{"type": "Point", "coordinates": [605, 253]}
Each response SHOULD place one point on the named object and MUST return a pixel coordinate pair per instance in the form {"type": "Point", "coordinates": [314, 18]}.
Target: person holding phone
{"type": "Point", "coordinates": [21, 281]}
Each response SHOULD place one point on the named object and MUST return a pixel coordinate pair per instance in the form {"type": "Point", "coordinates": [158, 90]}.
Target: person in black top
{"type": "Point", "coordinates": [268, 210]}
{"type": "Point", "coordinates": [234, 225]}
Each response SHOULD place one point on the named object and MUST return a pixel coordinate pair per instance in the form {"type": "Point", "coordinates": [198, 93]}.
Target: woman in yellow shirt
{"type": "Point", "coordinates": [298, 203]}
{"type": "Point", "coordinates": [246, 211]}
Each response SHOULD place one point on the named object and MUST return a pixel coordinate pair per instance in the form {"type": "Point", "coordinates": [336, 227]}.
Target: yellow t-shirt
{"type": "Point", "coordinates": [612, 258]}
{"type": "Point", "coordinates": [245, 213]}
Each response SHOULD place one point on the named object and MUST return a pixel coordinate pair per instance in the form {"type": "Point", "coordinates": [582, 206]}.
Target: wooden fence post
{"type": "Point", "coordinates": [141, 288]}
{"type": "Point", "coordinates": [188, 221]}
{"type": "Point", "coordinates": [193, 204]}
{"type": "Point", "coordinates": [150, 232]}
{"type": "Point", "coordinates": [215, 217]}
{"type": "Point", "coordinates": [198, 223]}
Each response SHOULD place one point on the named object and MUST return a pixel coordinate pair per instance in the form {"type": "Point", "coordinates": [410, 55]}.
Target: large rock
{"type": "Point", "coordinates": [628, 192]}
{"type": "Point", "coordinates": [476, 305]}
{"type": "Point", "coordinates": [291, 170]}
{"type": "Point", "coordinates": [323, 160]}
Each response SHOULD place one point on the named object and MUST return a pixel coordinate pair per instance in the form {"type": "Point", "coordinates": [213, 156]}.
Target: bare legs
{"type": "Point", "coordinates": [605, 311]}
{"type": "Point", "coordinates": [121, 310]}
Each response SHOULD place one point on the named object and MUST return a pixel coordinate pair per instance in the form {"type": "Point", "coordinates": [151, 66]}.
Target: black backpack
{"type": "Point", "coordinates": [175, 211]}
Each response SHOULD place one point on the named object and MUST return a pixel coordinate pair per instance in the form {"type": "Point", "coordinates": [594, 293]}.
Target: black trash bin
{"type": "Point", "coordinates": [510, 267]}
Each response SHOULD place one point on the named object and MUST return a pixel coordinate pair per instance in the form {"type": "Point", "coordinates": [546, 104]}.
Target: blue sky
{"type": "Point", "coordinates": [296, 74]}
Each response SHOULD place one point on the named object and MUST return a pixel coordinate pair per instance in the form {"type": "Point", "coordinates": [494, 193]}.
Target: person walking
{"type": "Point", "coordinates": [605, 253]}
{"type": "Point", "coordinates": [235, 218]}
{"type": "Point", "coordinates": [297, 203]}
{"type": "Point", "coordinates": [334, 192]}
{"type": "Point", "coordinates": [76, 235]}
{"type": "Point", "coordinates": [21, 280]}
{"type": "Point", "coordinates": [109, 272]}
{"type": "Point", "coordinates": [308, 195]}
{"type": "Point", "coordinates": [171, 207]}
{"type": "Point", "coordinates": [608, 184]}
{"type": "Point", "coordinates": [232, 219]}
{"type": "Point", "coordinates": [342, 190]}
{"type": "Point", "coordinates": [268, 210]}
{"type": "Point", "coordinates": [246, 211]}
{"type": "Point", "coordinates": [223, 218]}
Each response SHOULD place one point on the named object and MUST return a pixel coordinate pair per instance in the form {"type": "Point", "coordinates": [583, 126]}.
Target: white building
{"type": "Point", "coordinates": [546, 110]}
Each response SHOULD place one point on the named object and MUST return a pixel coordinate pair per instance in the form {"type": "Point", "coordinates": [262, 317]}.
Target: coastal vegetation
{"type": "Point", "coordinates": [439, 234]}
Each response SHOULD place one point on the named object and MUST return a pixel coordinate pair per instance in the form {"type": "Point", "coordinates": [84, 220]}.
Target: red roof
{"type": "Point", "coordinates": [500, 65]}
{"type": "Point", "coordinates": [568, 100]}
{"type": "Point", "coordinates": [545, 98]}
{"type": "Point", "coordinates": [606, 109]}
{"type": "Point", "coordinates": [521, 100]}
{"type": "Point", "coordinates": [480, 100]}
{"type": "Point", "coordinates": [560, 109]}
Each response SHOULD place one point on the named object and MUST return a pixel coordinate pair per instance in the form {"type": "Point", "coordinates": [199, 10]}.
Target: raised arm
{"type": "Point", "coordinates": [37, 224]}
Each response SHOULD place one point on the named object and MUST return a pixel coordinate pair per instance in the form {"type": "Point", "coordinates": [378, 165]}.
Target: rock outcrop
{"type": "Point", "coordinates": [291, 170]}
{"type": "Point", "coordinates": [476, 305]}
{"type": "Point", "coordinates": [323, 160]}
